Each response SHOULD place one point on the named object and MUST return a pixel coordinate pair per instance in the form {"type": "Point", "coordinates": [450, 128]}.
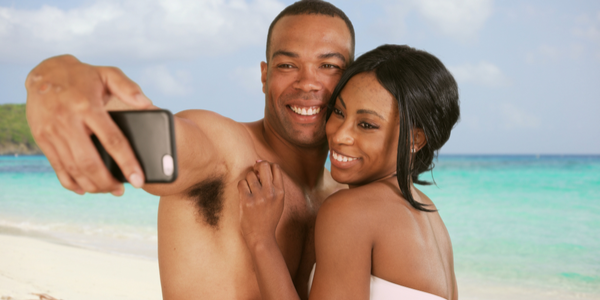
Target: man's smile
{"type": "Point", "coordinates": [305, 111]}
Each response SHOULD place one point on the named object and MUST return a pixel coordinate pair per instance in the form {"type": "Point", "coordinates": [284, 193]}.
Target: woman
{"type": "Point", "coordinates": [382, 238]}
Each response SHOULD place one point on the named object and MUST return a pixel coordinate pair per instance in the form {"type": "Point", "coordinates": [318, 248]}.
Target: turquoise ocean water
{"type": "Point", "coordinates": [516, 220]}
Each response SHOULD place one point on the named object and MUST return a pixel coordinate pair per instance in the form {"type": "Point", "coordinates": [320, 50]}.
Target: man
{"type": "Point", "coordinates": [202, 253]}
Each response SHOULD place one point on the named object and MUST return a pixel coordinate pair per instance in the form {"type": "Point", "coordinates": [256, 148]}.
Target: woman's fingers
{"type": "Point", "coordinates": [271, 180]}
{"type": "Point", "coordinates": [277, 177]}
{"type": "Point", "coordinates": [260, 203]}
{"type": "Point", "coordinates": [244, 190]}
{"type": "Point", "coordinates": [264, 182]}
{"type": "Point", "coordinates": [263, 171]}
{"type": "Point", "coordinates": [253, 183]}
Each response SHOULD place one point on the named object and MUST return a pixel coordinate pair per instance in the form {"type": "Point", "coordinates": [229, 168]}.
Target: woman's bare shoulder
{"type": "Point", "coordinates": [372, 196]}
{"type": "Point", "coordinates": [364, 206]}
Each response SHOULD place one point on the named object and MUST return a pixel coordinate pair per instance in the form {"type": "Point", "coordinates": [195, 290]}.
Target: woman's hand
{"type": "Point", "coordinates": [261, 202]}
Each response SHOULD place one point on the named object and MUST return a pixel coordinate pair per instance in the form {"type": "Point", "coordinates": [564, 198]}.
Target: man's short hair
{"type": "Point", "coordinates": [317, 7]}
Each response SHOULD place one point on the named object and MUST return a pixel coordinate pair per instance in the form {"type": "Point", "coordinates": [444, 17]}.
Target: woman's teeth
{"type": "Point", "coordinates": [342, 158]}
{"type": "Point", "coordinates": [306, 112]}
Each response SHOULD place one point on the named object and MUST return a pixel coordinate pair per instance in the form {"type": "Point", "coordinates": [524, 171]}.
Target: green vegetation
{"type": "Point", "coordinates": [15, 136]}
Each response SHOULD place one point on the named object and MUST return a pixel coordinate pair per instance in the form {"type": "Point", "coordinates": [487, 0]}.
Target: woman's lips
{"type": "Point", "coordinates": [342, 161]}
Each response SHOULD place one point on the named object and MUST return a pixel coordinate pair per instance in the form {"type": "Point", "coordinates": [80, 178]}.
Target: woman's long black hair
{"type": "Point", "coordinates": [427, 97]}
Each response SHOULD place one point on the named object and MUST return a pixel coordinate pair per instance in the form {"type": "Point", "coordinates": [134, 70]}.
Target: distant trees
{"type": "Point", "coordinates": [15, 136]}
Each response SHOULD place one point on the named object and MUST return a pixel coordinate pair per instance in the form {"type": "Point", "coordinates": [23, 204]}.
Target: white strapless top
{"type": "Point", "coordinates": [382, 289]}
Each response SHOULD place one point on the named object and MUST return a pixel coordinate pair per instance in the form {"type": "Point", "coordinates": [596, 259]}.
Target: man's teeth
{"type": "Point", "coordinates": [342, 158]}
{"type": "Point", "coordinates": [306, 112]}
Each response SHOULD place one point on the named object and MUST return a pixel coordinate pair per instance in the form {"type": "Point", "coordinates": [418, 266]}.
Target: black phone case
{"type": "Point", "coordinates": [152, 137]}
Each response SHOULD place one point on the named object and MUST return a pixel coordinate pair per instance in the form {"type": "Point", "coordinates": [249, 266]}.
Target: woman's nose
{"type": "Point", "coordinates": [344, 134]}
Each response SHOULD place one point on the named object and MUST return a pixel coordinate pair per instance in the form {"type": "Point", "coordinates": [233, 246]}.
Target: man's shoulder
{"type": "Point", "coordinates": [330, 186]}
{"type": "Point", "coordinates": [207, 118]}
{"type": "Point", "coordinates": [218, 128]}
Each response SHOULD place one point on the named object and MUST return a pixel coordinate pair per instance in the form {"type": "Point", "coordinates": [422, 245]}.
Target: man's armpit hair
{"type": "Point", "coordinates": [208, 197]}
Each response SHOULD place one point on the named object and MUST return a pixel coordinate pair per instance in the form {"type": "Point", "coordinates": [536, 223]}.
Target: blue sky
{"type": "Point", "coordinates": [528, 71]}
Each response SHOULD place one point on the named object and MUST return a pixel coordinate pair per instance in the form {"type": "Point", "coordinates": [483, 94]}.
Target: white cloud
{"type": "Point", "coordinates": [169, 84]}
{"type": "Point", "coordinates": [544, 53]}
{"type": "Point", "coordinates": [551, 54]}
{"type": "Point", "coordinates": [588, 27]}
{"type": "Point", "coordinates": [588, 30]}
{"type": "Point", "coordinates": [136, 29]}
{"type": "Point", "coordinates": [458, 19]}
{"type": "Point", "coordinates": [483, 73]}
{"type": "Point", "coordinates": [516, 118]}
{"type": "Point", "coordinates": [461, 19]}
{"type": "Point", "coordinates": [247, 77]}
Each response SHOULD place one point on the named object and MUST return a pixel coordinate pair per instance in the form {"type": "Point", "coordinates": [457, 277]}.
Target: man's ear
{"type": "Point", "coordinates": [263, 75]}
{"type": "Point", "coordinates": [419, 139]}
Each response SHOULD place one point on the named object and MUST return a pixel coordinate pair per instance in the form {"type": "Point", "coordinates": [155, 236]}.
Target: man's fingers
{"type": "Point", "coordinates": [66, 103]}
{"type": "Point", "coordinates": [65, 179]}
{"type": "Point", "coordinates": [70, 165]}
{"type": "Point", "coordinates": [119, 85]}
{"type": "Point", "coordinates": [88, 160]}
{"type": "Point", "coordinates": [117, 146]}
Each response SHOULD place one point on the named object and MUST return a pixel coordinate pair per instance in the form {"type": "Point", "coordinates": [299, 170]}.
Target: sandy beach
{"type": "Point", "coordinates": [473, 289]}
{"type": "Point", "coordinates": [30, 265]}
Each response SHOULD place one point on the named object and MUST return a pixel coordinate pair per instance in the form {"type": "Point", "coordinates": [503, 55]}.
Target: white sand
{"type": "Point", "coordinates": [29, 265]}
{"type": "Point", "coordinates": [474, 289]}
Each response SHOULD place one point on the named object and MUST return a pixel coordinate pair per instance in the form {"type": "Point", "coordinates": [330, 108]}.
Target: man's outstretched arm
{"type": "Point", "coordinates": [67, 102]}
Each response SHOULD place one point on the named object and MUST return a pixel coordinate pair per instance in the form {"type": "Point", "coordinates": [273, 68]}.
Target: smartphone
{"type": "Point", "coordinates": [151, 135]}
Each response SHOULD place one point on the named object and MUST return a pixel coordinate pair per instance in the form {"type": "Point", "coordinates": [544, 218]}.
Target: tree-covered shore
{"type": "Point", "coordinates": [15, 136]}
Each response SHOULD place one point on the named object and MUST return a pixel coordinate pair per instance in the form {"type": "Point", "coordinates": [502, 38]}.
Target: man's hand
{"type": "Point", "coordinates": [261, 202]}
{"type": "Point", "coordinates": [65, 104]}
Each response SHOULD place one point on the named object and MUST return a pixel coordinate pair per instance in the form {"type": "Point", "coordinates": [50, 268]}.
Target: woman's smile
{"type": "Point", "coordinates": [342, 161]}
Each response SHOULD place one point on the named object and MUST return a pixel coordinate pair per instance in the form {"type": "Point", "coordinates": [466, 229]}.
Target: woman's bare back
{"type": "Point", "coordinates": [411, 248]}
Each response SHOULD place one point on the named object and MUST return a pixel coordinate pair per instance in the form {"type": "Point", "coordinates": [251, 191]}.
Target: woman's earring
{"type": "Point", "coordinates": [412, 150]}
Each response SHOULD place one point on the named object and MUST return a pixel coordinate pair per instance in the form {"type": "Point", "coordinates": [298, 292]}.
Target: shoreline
{"type": "Point", "coordinates": [121, 247]}
{"type": "Point", "coordinates": [487, 289]}
{"type": "Point", "coordinates": [32, 265]}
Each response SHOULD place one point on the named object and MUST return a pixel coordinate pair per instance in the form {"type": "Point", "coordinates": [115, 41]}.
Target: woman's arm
{"type": "Point", "coordinates": [344, 242]}
{"type": "Point", "coordinates": [261, 206]}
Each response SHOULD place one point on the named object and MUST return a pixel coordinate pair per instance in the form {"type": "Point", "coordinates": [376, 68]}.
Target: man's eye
{"type": "Point", "coordinates": [330, 66]}
{"type": "Point", "coordinates": [285, 66]}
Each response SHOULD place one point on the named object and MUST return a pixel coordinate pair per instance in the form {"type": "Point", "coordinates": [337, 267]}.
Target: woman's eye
{"type": "Point", "coordinates": [367, 125]}
{"type": "Point", "coordinates": [337, 112]}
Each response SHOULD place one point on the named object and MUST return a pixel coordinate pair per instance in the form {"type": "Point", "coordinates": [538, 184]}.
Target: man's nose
{"type": "Point", "coordinates": [308, 80]}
